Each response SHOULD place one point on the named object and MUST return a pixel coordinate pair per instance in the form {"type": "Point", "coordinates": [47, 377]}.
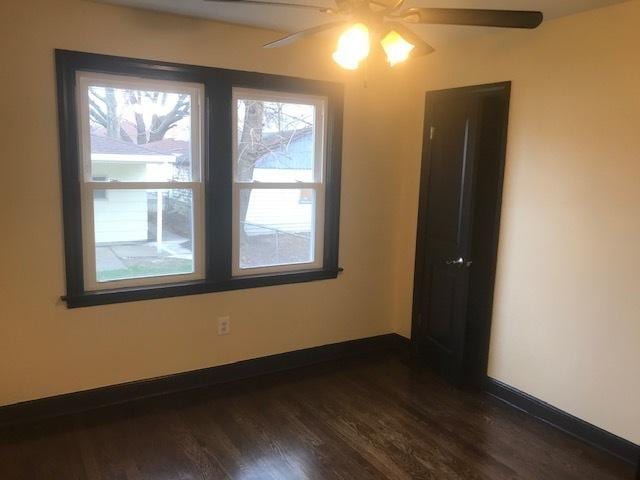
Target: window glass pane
{"type": "Point", "coordinates": [143, 233]}
{"type": "Point", "coordinates": [275, 141]}
{"type": "Point", "coordinates": [276, 227]}
{"type": "Point", "coordinates": [139, 135]}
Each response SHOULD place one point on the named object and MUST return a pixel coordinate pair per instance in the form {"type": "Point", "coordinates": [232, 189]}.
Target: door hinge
{"type": "Point", "coordinates": [432, 132]}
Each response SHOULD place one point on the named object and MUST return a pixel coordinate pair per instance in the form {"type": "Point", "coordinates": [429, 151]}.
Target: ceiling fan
{"type": "Point", "coordinates": [384, 21]}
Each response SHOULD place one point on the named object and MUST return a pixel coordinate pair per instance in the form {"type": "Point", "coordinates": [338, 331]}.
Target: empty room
{"type": "Point", "coordinates": [320, 239]}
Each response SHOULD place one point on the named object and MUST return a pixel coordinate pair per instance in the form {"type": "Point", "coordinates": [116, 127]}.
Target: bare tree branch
{"type": "Point", "coordinates": [104, 110]}
{"type": "Point", "coordinates": [160, 125]}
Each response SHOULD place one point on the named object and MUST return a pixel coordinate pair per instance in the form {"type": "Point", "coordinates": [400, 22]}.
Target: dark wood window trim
{"type": "Point", "coordinates": [217, 172]}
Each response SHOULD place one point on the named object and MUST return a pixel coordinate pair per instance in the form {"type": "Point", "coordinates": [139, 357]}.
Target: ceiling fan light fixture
{"type": "Point", "coordinates": [346, 62]}
{"type": "Point", "coordinates": [396, 47]}
{"type": "Point", "coordinates": [389, 18]}
{"type": "Point", "coordinates": [353, 47]}
{"type": "Point", "coordinates": [411, 17]}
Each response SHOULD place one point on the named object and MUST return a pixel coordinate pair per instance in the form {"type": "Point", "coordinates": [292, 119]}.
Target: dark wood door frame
{"type": "Point", "coordinates": [483, 276]}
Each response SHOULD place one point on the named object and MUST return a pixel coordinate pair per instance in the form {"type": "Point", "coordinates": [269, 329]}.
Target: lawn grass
{"type": "Point", "coordinates": [148, 268]}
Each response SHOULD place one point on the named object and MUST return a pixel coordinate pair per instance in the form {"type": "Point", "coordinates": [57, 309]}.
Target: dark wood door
{"type": "Point", "coordinates": [461, 186]}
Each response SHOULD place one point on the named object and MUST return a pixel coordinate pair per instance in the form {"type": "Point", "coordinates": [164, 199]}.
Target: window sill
{"type": "Point", "coordinates": [105, 297]}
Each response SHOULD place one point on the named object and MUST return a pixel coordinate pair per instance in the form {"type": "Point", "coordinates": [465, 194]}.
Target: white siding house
{"type": "Point", "coordinates": [123, 215]}
{"type": "Point", "coordinates": [288, 211]}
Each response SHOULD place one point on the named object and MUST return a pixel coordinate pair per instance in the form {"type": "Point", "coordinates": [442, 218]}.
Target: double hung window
{"type": "Point", "coordinates": [278, 197]}
{"type": "Point", "coordinates": [142, 194]}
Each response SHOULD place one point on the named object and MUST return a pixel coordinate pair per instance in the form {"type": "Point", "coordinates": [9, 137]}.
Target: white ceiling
{"type": "Point", "coordinates": [288, 19]}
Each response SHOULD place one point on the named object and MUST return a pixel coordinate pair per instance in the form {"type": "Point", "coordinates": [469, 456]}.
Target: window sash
{"type": "Point", "coordinates": [89, 79]}
{"type": "Point", "coordinates": [91, 282]}
{"type": "Point", "coordinates": [318, 229]}
{"type": "Point", "coordinates": [319, 123]}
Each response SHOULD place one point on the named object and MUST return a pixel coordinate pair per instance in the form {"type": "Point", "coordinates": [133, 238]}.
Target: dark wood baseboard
{"type": "Point", "coordinates": [126, 392]}
{"type": "Point", "coordinates": [594, 436]}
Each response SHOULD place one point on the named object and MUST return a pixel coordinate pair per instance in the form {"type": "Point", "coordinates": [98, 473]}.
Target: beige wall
{"type": "Point", "coordinates": [46, 349]}
{"type": "Point", "coordinates": [566, 320]}
{"type": "Point", "coordinates": [566, 324]}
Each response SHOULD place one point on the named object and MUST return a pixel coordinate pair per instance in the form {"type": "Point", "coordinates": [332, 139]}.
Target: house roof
{"type": "Point", "coordinates": [126, 125]}
{"type": "Point", "coordinates": [290, 150]}
{"type": "Point", "coordinates": [166, 146]}
{"type": "Point", "coordinates": [170, 146]}
{"type": "Point", "coordinates": [108, 145]}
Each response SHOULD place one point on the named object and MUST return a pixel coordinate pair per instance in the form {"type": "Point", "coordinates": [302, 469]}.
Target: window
{"type": "Point", "coordinates": [278, 159]}
{"type": "Point", "coordinates": [181, 179]}
{"type": "Point", "coordinates": [141, 182]}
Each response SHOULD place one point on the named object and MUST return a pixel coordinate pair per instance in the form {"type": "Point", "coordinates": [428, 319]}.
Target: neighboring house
{"type": "Point", "coordinates": [288, 211]}
{"type": "Point", "coordinates": [123, 215]}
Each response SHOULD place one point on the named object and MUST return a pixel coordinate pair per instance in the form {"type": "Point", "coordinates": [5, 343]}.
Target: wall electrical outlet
{"type": "Point", "coordinates": [224, 325]}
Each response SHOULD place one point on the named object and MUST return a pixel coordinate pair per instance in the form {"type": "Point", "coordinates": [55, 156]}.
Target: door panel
{"type": "Point", "coordinates": [449, 146]}
{"type": "Point", "coordinates": [459, 212]}
{"type": "Point", "coordinates": [441, 307]}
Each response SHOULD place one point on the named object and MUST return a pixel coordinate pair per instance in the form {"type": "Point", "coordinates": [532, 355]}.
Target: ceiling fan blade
{"type": "Point", "coordinates": [420, 46]}
{"type": "Point", "coordinates": [281, 42]}
{"type": "Point", "coordinates": [482, 18]}
{"type": "Point", "coordinates": [275, 4]}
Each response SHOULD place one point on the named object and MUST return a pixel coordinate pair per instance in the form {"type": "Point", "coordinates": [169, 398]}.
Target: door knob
{"type": "Point", "coordinates": [460, 262]}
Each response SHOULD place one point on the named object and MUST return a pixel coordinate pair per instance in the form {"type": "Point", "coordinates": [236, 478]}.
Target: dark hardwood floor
{"type": "Point", "coordinates": [364, 418]}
